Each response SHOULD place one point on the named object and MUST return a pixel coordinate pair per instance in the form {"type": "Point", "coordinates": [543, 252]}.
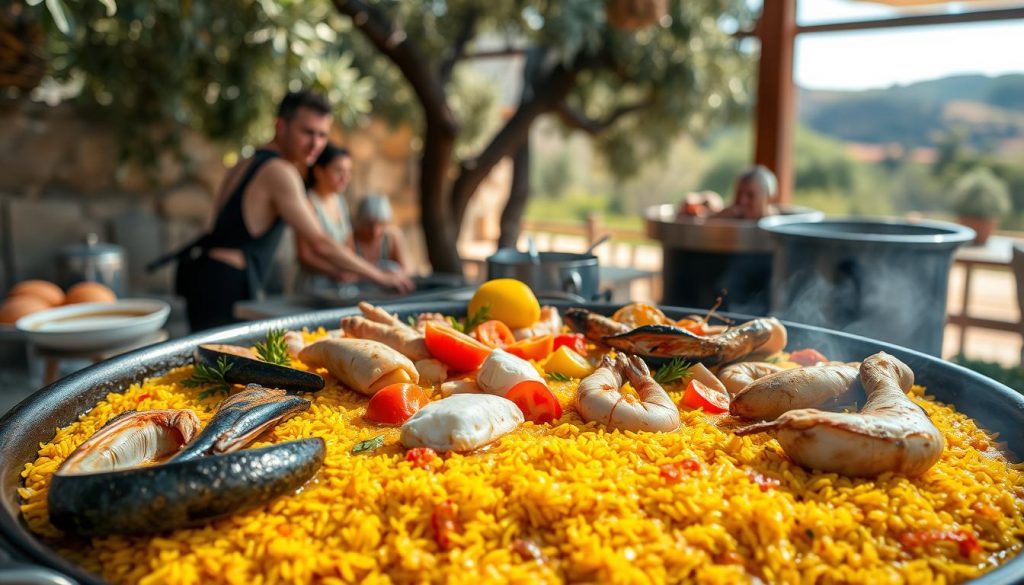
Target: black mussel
{"type": "Point", "coordinates": [247, 368]}
{"type": "Point", "coordinates": [241, 418]}
{"type": "Point", "coordinates": [180, 494]}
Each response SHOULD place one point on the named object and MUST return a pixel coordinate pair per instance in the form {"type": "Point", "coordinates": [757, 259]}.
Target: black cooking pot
{"type": "Point", "coordinates": [994, 406]}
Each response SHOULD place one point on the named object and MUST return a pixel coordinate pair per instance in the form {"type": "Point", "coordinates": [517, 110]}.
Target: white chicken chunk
{"type": "Point", "coordinates": [461, 422]}
{"type": "Point", "coordinates": [502, 370]}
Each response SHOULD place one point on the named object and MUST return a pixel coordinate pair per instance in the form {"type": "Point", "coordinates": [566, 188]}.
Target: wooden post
{"type": "Point", "coordinates": [593, 227]}
{"type": "Point", "coordinates": [775, 113]}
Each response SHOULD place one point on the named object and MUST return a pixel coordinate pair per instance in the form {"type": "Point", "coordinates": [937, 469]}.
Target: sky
{"type": "Point", "coordinates": [881, 58]}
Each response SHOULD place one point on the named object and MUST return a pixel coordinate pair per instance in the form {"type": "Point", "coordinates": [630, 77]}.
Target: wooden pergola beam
{"type": "Point", "coordinates": [775, 111]}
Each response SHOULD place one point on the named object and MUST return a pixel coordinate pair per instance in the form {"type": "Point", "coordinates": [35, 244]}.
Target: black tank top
{"type": "Point", "coordinates": [229, 230]}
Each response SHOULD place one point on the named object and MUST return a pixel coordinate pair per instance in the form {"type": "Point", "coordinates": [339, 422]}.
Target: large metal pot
{"type": "Point", "coordinates": [886, 278]}
{"type": "Point", "coordinates": [704, 257]}
{"type": "Point", "coordinates": [994, 406]}
{"type": "Point", "coordinates": [552, 274]}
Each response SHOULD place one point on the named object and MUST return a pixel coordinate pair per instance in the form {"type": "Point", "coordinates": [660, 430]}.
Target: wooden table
{"type": "Point", "coordinates": [996, 254]}
{"type": "Point", "coordinates": [52, 357]}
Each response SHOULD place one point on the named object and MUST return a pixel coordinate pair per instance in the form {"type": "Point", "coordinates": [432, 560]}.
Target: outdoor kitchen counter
{"type": "Point", "coordinates": [615, 279]}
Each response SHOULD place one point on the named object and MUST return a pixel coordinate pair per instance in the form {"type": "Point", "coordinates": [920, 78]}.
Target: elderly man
{"type": "Point", "coordinates": [258, 197]}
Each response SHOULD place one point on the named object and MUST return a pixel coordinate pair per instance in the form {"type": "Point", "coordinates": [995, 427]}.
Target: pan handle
{"type": "Point", "coordinates": [573, 283]}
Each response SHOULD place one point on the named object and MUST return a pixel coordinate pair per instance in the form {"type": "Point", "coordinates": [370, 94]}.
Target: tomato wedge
{"type": "Point", "coordinates": [698, 395]}
{"type": "Point", "coordinates": [394, 404]}
{"type": "Point", "coordinates": [457, 350]}
{"type": "Point", "coordinates": [807, 357]}
{"type": "Point", "coordinates": [695, 327]}
{"type": "Point", "coordinates": [494, 333]}
{"type": "Point", "coordinates": [574, 341]}
{"type": "Point", "coordinates": [536, 401]}
{"type": "Point", "coordinates": [533, 348]}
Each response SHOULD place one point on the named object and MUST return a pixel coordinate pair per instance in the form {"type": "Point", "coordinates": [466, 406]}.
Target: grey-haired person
{"type": "Point", "coordinates": [755, 192]}
{"type": "Point", "coordinates": [376, 239]}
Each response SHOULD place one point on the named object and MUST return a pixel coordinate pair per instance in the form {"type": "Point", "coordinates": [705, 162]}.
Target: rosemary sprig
{"type": "Point", "coordinates": [558, 377]}
{"type": "Point", "coordinates": [676, 369]}
{"type": "Point", "coordinates": [212, 376]}
{"type": "Point", "coordinates": [369, 444]}
{"type": "Point", "coordinates": [274, 350]}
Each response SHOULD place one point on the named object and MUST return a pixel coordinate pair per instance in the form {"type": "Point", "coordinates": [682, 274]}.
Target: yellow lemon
{"type": "Point", "coordinates": [510, 300]}
{"type": "Point", "coordinates": [568, 363]}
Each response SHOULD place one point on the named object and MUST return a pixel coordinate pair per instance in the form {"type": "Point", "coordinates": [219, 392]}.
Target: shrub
{"type": "Point", "coordinates": [980, 193]}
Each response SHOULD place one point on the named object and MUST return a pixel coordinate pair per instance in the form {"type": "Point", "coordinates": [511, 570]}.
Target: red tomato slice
{"type": "Point", "coordinates": [574, 341]}
{"type": "Point", "coordinates": [444, 521]}
{"type": "Point", "coordinates": [459, 351]}
{"type": "Point", "coordinates": [394, 404]}
{"type": "Point", "coordinates": [533, 348]}
{"type": "Point", "coordinates": [536, 401]}
{"type": "Point", "coordinates": [494, 333]}
{"type": "Point", "coordinates": [807, 357]}
{"type": "Point", "coordinates": [698, 395]}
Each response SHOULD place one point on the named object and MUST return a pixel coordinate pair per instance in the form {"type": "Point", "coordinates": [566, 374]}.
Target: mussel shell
{"type": "Point", "coordinates": [174, 495]}
{"type": "Point", "coordinates": [245, 370]}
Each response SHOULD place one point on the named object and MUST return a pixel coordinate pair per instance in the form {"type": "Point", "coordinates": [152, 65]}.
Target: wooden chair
{"type": "Point", "coordinates": [1017, 263]}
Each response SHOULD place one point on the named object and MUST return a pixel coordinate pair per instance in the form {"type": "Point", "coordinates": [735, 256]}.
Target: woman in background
{"type": "Point", "coordinates": [376, 239]}
{"type": "Point", "coordinates": [325, 184]}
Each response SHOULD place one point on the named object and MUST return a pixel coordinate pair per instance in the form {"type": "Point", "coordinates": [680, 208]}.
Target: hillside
{"type": "Point", "coordinates": [990, 109]}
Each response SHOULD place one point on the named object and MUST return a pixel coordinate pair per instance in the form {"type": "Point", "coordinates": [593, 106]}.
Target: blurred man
{"type": "Point", "coordinates": [755, 192]}
{"type": "Point", "coordinates": [258, 197]}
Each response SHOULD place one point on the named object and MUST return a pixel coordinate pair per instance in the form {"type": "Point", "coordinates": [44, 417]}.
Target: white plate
{"type": "Point", "coordinates": [94, 326]}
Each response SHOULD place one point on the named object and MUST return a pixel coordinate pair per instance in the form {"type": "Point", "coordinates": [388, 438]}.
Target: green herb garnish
{"type": "Point", "coordinates": [274, 350]}
{"type": "Point", "coordinates": [773, 360]}
{"type": "Point", "coordinates": [476, 319]}
{"type": "Point", "coordinates": [411, 321]}
{"type": "Point", "coordinates": [369, 444]}
{"type": "Point", "coordinates": [212, 376]}
{"type": "Point", "coordinates": [558, 377]}
{"type": "Point", "coordinates": [676, 369]}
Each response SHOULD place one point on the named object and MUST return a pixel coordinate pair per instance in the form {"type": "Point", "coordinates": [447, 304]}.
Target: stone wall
{"type": "Point", "coordinates": [61, 179]}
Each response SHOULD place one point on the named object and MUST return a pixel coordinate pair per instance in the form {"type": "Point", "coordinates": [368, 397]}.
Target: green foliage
{"type": "Point", "coordinates": [1012, 377]}
{"type": "Point", "coordinates": [155, 67]}
{"type": "Point", "coordinates": [551, 176]}
{"type": "Point", "coordinates": [980, 193]}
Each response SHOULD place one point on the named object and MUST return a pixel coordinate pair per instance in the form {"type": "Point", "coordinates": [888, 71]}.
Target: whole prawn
{"type": "Point", "coordinates": [600, 398]}
{"type": "Point", "coordinates": [891, 432]}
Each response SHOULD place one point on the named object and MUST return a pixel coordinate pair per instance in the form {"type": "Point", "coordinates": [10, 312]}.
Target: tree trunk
{"type": "Point", "coordinates": [439, 231]}
{"type": "Point", "coordinates": [519, 194]}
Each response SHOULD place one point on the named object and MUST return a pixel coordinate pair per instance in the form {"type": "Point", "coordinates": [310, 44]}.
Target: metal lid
{"type": "Point", "coordinates": [92, 248]}
{"type": "Point", "coordinates": [870, 230]}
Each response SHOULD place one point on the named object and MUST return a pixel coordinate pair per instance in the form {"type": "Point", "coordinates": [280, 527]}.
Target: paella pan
{"type": "Point", "coordinates": [592, 443]}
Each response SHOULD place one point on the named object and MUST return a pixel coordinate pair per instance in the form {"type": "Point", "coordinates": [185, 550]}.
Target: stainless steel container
{"type": "Point", "coordinates": [704, 258]}
{"type": "Point", "coordinates": [93, 261]}
{"type": "Point", "coordinates": [553, 274]}
{"type": "Point", "coordinates": [886, 278]}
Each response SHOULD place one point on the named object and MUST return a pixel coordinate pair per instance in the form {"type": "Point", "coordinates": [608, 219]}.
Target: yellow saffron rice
{"type": "Point", "coordinates": [594, 504]}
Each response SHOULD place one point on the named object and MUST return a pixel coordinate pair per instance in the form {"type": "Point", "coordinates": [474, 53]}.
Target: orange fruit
{"type": "Point", "coordinates": [90, 292]}
{"type": "Point", "coordinates": [41, 289]}
{"type": "Point", "coordinates": [17, 307]}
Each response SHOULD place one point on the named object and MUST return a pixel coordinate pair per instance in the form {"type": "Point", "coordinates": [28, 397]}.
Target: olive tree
{"type": "Point", "coordinates": [219, 67]}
